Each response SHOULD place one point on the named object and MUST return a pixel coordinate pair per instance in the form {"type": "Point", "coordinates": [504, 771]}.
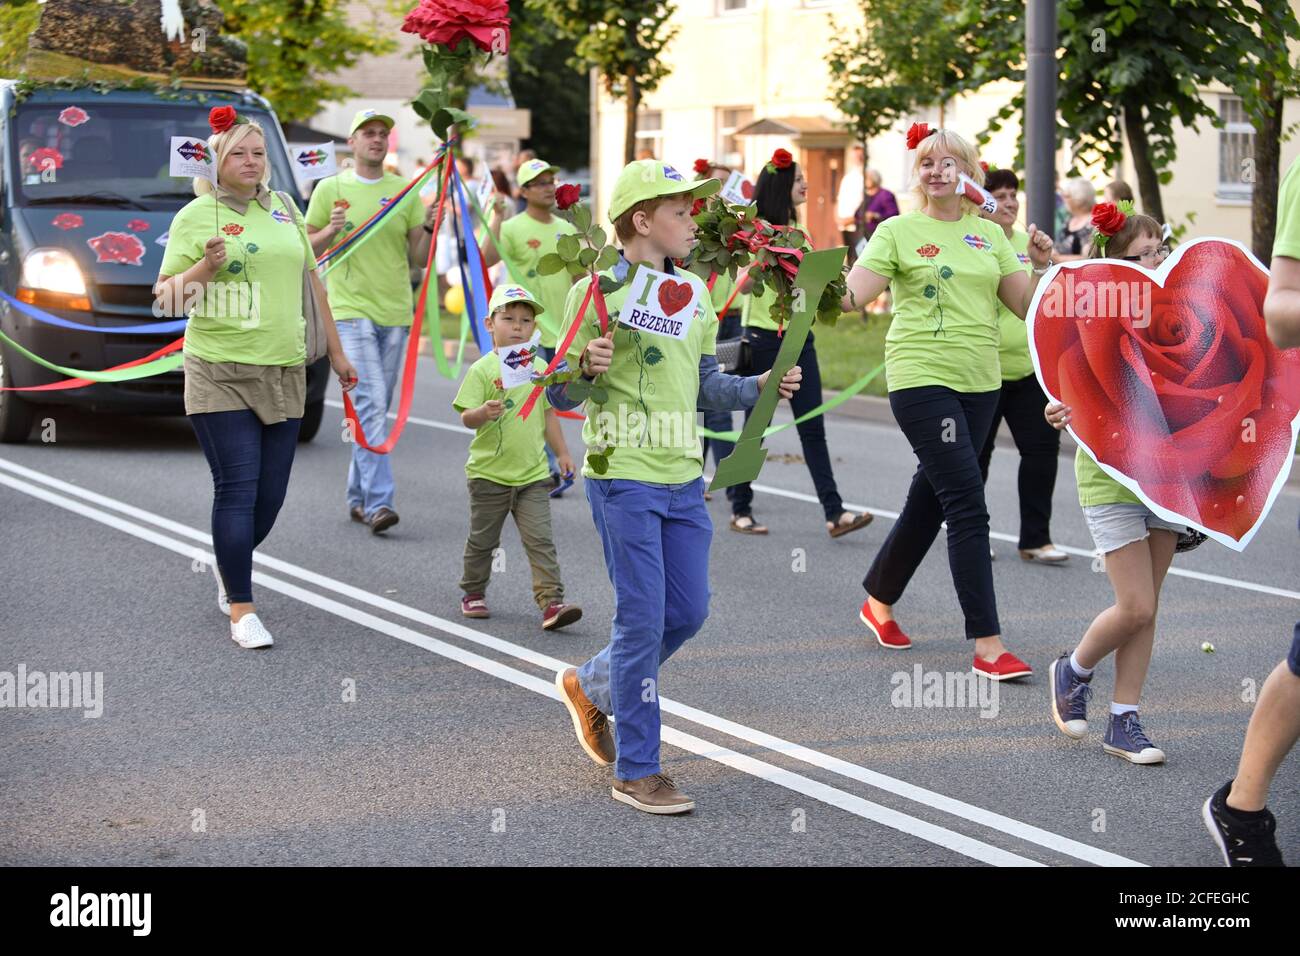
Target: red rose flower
{"type": "Point", "coordinates": [232, 228]}
{"type": "Point", "coordinates": [696, 207]}
{"type": "Point", "coordinates": [342, 204]}
{"type": "Point", "coordinates": [138, 225]}
{"type": "Point", "coordinates": [566, 195]}
{"type": "Point", "coordinates": [447, 22]}
{"type": "Point", "coordinates": [500, 385]}
{"type": "Point", "coordinates": [928, 251]}
{"type": "Point", "coordinates": [1107, 219]}
{"type": "Point", "coordinates": [121, 247]}
{"type": "Point", "coordinates": [1175, 386]}
{"type": "Point", "coordinates": [73, 116]}
{"type": "Point", "coordinates": [534, 243]}
{"type": "Point", "coordinates": [67, 220]}
{"type": "Point", "coordinates": [221, 118]}
{"type": "Point", "coordinates": [702, 167]}
{"type": "Point", "coordinates": [918, 132]}
{"type": "Point", "coordinates": [45, 157]}
{"type": "Point", "coordinates": [984, 166]}
{"type": "Point", "coordinates": [782, 159]}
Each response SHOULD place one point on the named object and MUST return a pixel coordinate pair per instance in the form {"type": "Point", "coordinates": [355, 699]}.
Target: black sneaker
{"type": "Point", "coordinates": [381, 520]}
{"type": "Point", "coordinates": [1242, 842]}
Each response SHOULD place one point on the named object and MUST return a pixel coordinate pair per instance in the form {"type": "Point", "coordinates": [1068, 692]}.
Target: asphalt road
{"type": "Point", "coordinates": [383, 729]}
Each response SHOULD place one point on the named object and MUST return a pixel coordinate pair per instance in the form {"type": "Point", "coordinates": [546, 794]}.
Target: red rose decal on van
{"type": "Point", "coordinates": [73, 116]}
{"type": "Point", "coordinates": [138, 225]}
{"type": "Point", "coordinates": [120, 247]}
{"type": "Point", "coordinates": [67, 220]}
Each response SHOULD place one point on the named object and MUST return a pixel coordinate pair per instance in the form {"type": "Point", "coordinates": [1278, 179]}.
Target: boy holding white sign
{"type": "Point", "coordinates": [652, 368]}
{"type": "Point", "coordinates": [507, 467]}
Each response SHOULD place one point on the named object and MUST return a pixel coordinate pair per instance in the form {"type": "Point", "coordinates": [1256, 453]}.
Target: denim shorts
{"type": "Point", "coordinates": [1115, 525]}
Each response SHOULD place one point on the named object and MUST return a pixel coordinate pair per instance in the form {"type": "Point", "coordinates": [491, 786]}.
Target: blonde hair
{"type": "Point", "coordinates": [957, 147]}
{"type": "Point", "coordinates": [222, 144]}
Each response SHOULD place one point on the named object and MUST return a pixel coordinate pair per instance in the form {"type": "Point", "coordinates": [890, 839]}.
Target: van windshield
{"type": "Point", "coordinates": [115, 154]}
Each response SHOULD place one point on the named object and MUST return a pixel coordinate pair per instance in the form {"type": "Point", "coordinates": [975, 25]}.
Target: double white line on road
{"type": "Point", "coordinates": [81, 501]}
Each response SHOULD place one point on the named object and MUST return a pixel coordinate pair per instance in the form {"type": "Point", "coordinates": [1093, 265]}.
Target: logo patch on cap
{"type": "Point", "coordinates": [671, 173]}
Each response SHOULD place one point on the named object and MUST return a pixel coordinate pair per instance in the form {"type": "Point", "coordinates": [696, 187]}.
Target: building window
{"type": "Point", "coordinates": [731, 149]}
{"type": "Point", "coordinates": [650, 134]}
{"type": "Point", "coordinates": [732, 6]}
{"type": "Point", "coordinates": [1236, 150]}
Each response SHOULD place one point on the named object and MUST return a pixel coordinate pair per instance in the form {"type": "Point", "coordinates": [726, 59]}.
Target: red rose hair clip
{"type": "Point", "coordinates": [918, 132]}
{"type": "Point", "coordinates": [222, 118]}
{"type": "Point", "coordinates": [781, 159]}
{"type": "Point", "coordinates": [1108, 219]}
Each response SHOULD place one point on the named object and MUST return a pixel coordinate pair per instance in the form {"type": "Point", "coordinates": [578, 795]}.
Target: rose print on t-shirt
{"type": "Point", "coordinates": [935, 290]}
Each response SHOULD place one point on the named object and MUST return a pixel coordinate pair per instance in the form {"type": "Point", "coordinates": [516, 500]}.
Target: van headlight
{"type": "Point", "coordinates": [53, 270]}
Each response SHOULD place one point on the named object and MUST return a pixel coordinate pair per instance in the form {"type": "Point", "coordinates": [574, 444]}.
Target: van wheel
{"type": "Point", "coordinates": [311, 419]}
{"type": "Point", "coordinates": [15, 414]}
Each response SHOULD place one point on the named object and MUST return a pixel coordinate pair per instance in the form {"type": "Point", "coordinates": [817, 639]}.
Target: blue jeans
{"type": "Point", "coordinates": [551, 462]}
{"type": "Point", "coordinates": [656, 540]}
{"type": "Point", "coordinates": [250, 465]}
{"type": "Point", "coordinates": [376, 353]}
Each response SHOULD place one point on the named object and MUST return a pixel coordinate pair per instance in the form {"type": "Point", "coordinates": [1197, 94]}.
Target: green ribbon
{"type": "Point", "coordinates": [414, 193]}
{"type": "Point", "coordinates": [821, 409]}
{"type": "Point", "coordinates": [165, 364]}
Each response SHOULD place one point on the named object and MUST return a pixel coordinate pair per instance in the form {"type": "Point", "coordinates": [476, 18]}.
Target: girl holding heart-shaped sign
{"type": "Point", "coordinates": [948, 269]}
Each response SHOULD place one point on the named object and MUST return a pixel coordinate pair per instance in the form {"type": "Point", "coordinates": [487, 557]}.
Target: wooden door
{"type": "Point", "coordinates": [824, 169]}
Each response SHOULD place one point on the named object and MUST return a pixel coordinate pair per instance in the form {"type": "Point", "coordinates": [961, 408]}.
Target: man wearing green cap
{"type": "Point", "coordinates": [647, 499]}
{"type": "Point", "coordinates": [523, 240]}
{"type": "Point", "coordinates": [370, 294]}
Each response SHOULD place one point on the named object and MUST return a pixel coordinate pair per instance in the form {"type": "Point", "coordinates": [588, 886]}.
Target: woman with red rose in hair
{"type": "Point", "coordinates": [1138, 546]}
{"type": "Point", "coordinates": [948, 269]}
{"type": "Point", "coordinates": [780, 190]}
{"type": "Point", "coordinates": [234, 265]}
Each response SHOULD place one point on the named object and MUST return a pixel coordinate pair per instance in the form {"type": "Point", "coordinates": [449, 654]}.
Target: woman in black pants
{"type": "Point", "coordinates": [777, 193]}
{"type": "Point", "coordinates": [947, 269]}
{"type": "Point", "coordinates": [1021, 401]}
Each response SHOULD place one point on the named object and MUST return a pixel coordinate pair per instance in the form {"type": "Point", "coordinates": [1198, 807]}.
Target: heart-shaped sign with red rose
{"type": "Point", "coordinates": [1176, 391]}
{"type": "Point", "coordinates": [674, 296]}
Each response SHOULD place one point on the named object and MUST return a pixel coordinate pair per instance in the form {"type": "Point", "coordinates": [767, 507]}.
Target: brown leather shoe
{"type": "Point", "coordinates": [591, 726]}
{"type": "Point", "coordinates": [654, 794]}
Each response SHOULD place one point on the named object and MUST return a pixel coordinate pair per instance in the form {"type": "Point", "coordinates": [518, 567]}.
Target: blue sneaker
{"type": "Point", "coordinates": [1125, 738]}
{"type": "Point", "coordinates": [1070, 694]}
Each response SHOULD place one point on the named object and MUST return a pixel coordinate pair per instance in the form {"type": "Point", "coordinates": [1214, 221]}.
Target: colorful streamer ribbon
{"type": "Point", "coordinates": [40, 315]}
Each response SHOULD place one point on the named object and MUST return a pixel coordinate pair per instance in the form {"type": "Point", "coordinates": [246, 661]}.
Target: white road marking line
{"type": "Point", "coordinates": [997, 535]}
{"type": "Point", "coordinates": [940, 836]}
{"type": "Point", "coordinates": [970, 812]}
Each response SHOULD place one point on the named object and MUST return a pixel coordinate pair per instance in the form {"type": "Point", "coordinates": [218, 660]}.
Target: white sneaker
{"type": "Point", "coordinates": [1047, 554]}
{"type": "Point", "coordinates": [223, 599]}
{"type": "Point", "coordinates": [249, 632]}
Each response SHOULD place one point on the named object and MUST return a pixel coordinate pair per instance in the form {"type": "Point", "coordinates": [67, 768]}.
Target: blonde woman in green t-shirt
{"type": "Point", "coordinates": [1137, 544]}
{"type": "Point", "coordinates": [234, 265]}
{"type": "Point", "coordinates": [947, 269]}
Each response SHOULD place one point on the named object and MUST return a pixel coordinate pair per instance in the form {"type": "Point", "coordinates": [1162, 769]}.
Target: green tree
{"type": "Point", "coordinates": [542, 82]}
{"type": "Point", "coordinates": [17, 22]}
{"type": "Point", "coordinates": [623, 39]}
{"type": "Point", "coordinates": [294, 44]}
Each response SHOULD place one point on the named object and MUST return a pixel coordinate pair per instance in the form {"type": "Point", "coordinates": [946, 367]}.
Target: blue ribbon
{"type": "Point", "coordinates": [162, 328]}
{"type": "Point", "coordinates": [471, 267]}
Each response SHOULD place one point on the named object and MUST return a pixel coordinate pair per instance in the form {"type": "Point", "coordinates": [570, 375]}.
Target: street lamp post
{"type": "Point", "coordinates": [1040, 113]}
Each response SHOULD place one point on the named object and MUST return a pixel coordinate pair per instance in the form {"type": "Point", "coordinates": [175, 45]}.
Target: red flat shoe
{"type": "Point", "coordinates": [888, 634]}
{"type": "Point", "coordinates": [1006, 667]}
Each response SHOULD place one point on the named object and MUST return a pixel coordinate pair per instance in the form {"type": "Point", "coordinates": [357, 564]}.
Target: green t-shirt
{"type": "Point", "coordinates": [722, 289]}
{"type": "Point", "coordinates": [511, 450]}
{"type": "Point", "coordinates": [374, 282]}
{"type": "Point", "coordinates": [1013, 346]}
{"type": "Point", "coordinates": [254, 312]}
{"type": "Point", "coordinates": [756, 313]}
{"type": "Point", "coordinates": [1096, 487]}
{"type": "Point", "coordinates": [944, 277]}
{"type": "Point", "coordinates": [1286, 242]}
{"type": "Point", "coordinates": [653, 385]}
{"type": "Point", "coordinates": [524, 241]}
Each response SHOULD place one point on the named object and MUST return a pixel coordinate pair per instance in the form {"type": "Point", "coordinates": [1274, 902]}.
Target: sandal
{"type": "Point", "coordinates": [745, 525]}
{"type": "Point", "coordinates": [839, 528]}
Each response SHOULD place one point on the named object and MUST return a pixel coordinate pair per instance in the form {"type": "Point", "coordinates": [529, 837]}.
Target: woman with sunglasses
{"type": "Point", "coordinates": [1137, 544]}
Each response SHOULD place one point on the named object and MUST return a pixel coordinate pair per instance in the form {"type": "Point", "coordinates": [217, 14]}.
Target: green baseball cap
{"type": "Point", "coordinates": [532, 169]}
{"type": "Point", "coordinates": [649, 179]}
{"type": "Point", "coordinates": [504, 295]}
{"type": "Point", "coordinates": [365, 116]}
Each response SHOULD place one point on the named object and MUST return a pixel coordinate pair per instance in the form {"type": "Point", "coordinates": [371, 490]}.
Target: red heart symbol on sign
{"type": "Point", "coordinates": [674, 296]}
{"type": "Point", "coordinates": [1173, 381]}
{"type": "Point", "coordinates": [747, 189]}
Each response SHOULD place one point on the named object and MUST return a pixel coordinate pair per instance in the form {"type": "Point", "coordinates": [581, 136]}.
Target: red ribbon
{"type": "Point", "coordinates": [593, 292]}
{"type": "Point", "coordinates": [412, 347]}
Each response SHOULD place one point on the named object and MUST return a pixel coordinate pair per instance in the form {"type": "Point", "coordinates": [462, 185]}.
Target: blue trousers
{"type": "Point", "coordinates": [376, 352]}
{"type": "Point", "coordinates": [656, 540]}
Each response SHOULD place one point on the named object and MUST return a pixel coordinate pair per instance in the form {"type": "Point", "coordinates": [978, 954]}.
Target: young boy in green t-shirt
{"type": "Point", "coordinates": [648, 499]}
{"type": "Point", "coordinates": [507, 468]}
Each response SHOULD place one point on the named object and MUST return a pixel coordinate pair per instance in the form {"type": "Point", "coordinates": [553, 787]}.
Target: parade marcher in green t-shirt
{"type": "Point", "coordinates": [523, 240]}
{"type": "Point", "coordinates": [1021, 399]}
{"type": "Point", "coordinates": [370, 292]}
{"type": "Point", "coordinates": [1236, 814]}
{"type": "Point", "coordinates": [234, 265]}
{"type": "Point", "coordinates": [777, 194]}
{"type": "Point", "coordinates": [947, 270]}
{"type": "Point", "coordinates": [647, 495]}
{"type": "Point", "coordinates": [507, 468]}
{"type": "Point", "coordinates": [1137, 545]}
